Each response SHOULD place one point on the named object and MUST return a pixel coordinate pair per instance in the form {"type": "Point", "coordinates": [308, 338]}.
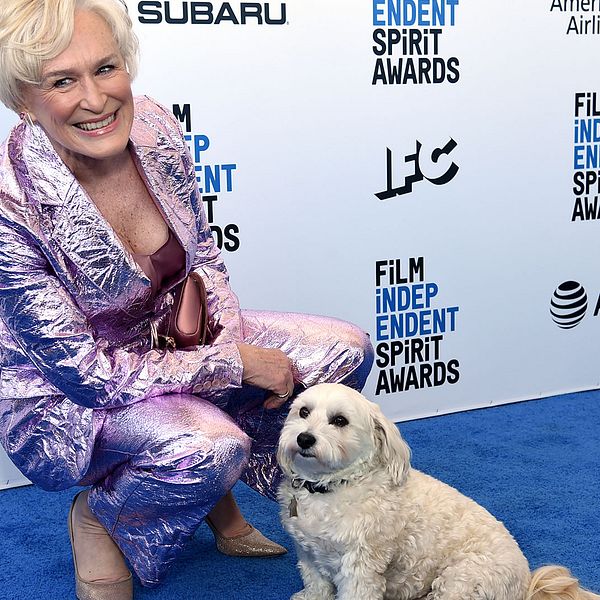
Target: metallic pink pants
{"type": "Point", "coordinates": [159, 466]}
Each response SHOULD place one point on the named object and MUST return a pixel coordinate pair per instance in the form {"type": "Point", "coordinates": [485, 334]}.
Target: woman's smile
{"type": "Point", "coordinates": [97, 126]}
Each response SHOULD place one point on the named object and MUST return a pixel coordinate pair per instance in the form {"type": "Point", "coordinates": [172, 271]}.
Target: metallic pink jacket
{"type": "Point", "coordinates": [75, 308]}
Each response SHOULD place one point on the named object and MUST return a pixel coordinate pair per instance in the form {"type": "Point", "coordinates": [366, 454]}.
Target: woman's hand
{"type": "Point", "coordinates": [268, 369]}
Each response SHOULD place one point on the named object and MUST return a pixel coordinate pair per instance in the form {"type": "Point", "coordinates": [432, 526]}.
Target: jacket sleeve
{"type": "Point", "coordinates": [47, 327]}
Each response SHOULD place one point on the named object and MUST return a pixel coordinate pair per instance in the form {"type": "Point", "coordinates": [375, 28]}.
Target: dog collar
{"type": "Point", "coordinates": [311, 486]}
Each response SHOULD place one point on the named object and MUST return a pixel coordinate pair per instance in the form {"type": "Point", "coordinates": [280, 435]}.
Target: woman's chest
{"type": "Point", "coordinates": [128, 207]}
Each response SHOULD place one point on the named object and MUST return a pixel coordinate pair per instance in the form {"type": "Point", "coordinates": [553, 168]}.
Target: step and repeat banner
{"type": "Point", "coordinates": [427, 169]}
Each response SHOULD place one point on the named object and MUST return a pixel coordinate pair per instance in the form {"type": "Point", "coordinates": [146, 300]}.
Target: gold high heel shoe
{"type": "Point", "coordinates": [84, 590]}
{"type": "Point", "coordinates": [253, 543]}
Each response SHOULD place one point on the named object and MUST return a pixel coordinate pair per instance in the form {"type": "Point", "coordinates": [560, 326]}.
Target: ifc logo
{"type": "Point", "coordinates": [569, 304]}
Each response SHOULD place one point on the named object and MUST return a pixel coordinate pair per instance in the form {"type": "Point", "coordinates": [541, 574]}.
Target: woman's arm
{"type": "Point", "coordinates": [266, 368]}
{"type": "Point", "coordinates": [55, 336]}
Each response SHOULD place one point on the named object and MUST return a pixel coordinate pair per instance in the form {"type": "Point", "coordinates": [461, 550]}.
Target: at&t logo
{"type": "Point", "coordinates": [569, 304]}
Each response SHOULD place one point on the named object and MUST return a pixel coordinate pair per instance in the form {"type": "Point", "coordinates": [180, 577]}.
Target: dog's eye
{"type": "Point", "coordinates": [304, 412]}
{"type": "Point", "coordinates": [339, 421]}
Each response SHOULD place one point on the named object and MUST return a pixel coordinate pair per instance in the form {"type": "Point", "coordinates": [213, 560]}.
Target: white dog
{"type": "Point", "coordinates": [368, 527]}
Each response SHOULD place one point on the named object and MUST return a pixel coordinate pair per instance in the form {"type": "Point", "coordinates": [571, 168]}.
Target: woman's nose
{"type": "Point", "coordinates": [92, 97]}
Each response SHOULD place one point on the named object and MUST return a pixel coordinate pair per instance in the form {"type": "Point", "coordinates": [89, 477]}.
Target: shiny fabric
{"type": "Point", "coordinates": [160, 436]}
{"type": "Point", "coordinates": [75, 307]}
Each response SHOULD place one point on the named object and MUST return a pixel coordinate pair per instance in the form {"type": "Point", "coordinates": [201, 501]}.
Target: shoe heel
{"type": "Point", "coordinates": [121, 590]}
{"type": "Point", "coordinates": [252, 544]}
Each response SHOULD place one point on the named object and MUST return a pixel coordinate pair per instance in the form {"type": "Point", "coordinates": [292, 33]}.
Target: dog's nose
{"type": "Point", "coordinates": [305, 440]}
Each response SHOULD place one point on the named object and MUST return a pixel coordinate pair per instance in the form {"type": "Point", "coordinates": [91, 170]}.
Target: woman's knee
{"type": "Point", "coordinates": [207, 438]}
{"type": "Point", "coordinates": [359, 341]}
{"type": "Point", "coordinates": [175, 433]}
{"type": "Point", "coordinates": [343, 353]}
{"type": "Point", "coordinates": [359, 356]}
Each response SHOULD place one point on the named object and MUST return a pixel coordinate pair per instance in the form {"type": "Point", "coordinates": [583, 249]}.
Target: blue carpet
{"type": "Point", "coordinates": [535, 465]}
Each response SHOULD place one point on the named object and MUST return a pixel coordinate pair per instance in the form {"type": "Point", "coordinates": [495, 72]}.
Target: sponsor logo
{"type": "Point", "coordinates": [586, 157]}
{"type": "Point", "coordinates": [408, 41]}
{"type": "Point", "coordinates": [432, 166]}
{"type": "Point", "coordinates": [581, 19]}
{"type": "Point", "coordinates": [568, 304]}
{"type": "Point", "coordinates": [213, 180]}
{"type": "Point", "coordinates": [411, 328]}
{"type": "Point", "coordinates": [172, 12]}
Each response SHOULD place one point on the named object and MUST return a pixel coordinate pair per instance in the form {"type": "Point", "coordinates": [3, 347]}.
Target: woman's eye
{"type": "Point", "coordinates": [105, 69]}
{"type": "Point", "coordinates": [304, 412]}
{"type": "Point", "coordinates": [339, 421]}
{"type": "Point", "coordinates": [61, 83]}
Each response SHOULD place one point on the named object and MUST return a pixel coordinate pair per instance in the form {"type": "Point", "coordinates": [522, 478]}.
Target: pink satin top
{"type": "Point", "coordinates": [165, 266]}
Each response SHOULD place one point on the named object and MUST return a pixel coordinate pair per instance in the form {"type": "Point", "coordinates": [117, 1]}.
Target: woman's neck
{"type": "Point", "coordinates": [92, 171]}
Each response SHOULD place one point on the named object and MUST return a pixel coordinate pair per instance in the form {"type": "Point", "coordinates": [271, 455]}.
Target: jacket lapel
{"type": "Point", "coordinates": [166, 181]}
{"type": "Point", "coordinates": [75, 230]}
{"type": "Point", "coordinates": [86, 252]}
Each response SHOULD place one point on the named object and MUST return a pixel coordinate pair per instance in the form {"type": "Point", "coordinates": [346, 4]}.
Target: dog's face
{"type": "Point", "coordinates": [331, 429]}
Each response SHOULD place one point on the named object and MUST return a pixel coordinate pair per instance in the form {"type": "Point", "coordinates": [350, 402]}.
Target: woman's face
{"type": "Point", "coordinates": [84, 102]}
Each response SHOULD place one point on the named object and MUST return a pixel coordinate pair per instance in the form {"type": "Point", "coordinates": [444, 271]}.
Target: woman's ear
{"type": "Point", "coordinates": [25, 112]}
{"type": "Point", "coordinates": [26, 118]}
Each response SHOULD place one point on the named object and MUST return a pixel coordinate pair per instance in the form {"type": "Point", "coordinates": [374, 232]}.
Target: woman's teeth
{"type": "Point", "coordinates": [97, 124]}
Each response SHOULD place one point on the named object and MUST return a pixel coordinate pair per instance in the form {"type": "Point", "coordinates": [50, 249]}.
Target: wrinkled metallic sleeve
{"type": "Point", "coordinates": [47, 325]}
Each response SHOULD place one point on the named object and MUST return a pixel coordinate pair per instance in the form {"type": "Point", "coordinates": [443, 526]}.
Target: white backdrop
{"type": "Point", "coordinates": [291, 122]}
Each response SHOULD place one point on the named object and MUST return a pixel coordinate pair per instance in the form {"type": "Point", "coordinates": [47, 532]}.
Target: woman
{"type": "Point", "coordinates": [100, 219]}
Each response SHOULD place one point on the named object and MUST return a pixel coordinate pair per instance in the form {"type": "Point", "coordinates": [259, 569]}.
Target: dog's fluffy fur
{"type": "Point", "coordinates": [383, 530]}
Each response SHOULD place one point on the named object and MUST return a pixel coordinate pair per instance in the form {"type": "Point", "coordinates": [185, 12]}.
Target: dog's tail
{"type": "Point", "coordinates": [556, 583]}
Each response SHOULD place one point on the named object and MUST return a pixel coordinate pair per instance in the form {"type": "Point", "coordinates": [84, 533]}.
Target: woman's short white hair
{"type": "Point", "coordinates": [34, 31]}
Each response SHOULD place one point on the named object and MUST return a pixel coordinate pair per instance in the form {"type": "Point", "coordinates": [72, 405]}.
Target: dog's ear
{"type": "Point", "coordinates": [283, 459]}
{"type": "Point", "coordinates": [392, 451]}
